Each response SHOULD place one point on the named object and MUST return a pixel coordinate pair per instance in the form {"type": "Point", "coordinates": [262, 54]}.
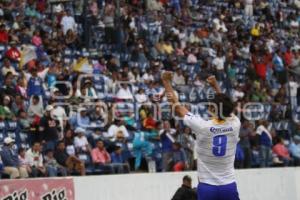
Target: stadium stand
{"type": "Point", "coordinates": [91, 65]}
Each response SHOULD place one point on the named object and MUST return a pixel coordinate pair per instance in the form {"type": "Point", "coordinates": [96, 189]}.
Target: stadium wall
{"type": "Point", "coordinates": [254, 184]}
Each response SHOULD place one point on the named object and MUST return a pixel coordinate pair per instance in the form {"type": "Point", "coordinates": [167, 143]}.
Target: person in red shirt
{"type": "Point", "coordinates": [13, 53]}
{"type": "Point", "coordinates": [101, 158]}
{"type": "Point", "coordinates": [3, 35]}
{"type": "Point", "coordinates": [281, 151]}
{"type": "Point", "coordinates": [288, 57]}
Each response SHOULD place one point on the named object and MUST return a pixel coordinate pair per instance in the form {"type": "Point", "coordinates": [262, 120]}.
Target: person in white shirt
{"type": "Point", "coordinates": [148, 76]}
{"type": "Point", "coordinates": [141, 97]}
{"type": "Point", "coordinates": [216, 142]}
{"type": "Point", "coordinates": [68, 22]}
{"type": "Point", "coordinates": [293, 91]}
{"type": "Point", "coordinates": [249, 8]}
{"type": "Point", "coordinates": [178, 78]}
{"type": "Point", "coordinates": [114, 129]}
{"type": "Point", "coordinates": [80, 141]}
{"type": "Point", "coordinates": [8, 68]}
{"type": "Point", "coordinates": [34, 158]}
{"type": "Point", "coordinates": [124, 92]}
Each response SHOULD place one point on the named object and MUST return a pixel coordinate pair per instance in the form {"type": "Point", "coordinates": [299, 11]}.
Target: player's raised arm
{"type": "Point", "coordinates": [169, 91]}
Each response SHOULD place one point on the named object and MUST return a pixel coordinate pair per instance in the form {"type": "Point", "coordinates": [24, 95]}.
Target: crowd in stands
{"type": "Point", "coordinates": [81, 92]}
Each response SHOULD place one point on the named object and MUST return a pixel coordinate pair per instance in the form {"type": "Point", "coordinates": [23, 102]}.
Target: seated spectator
{"type": "Point", "coordinates": [10, 160]}
{"type": "Point", "coordinates": [7, 67]}
{"type": "Point", "coordinates": [3, 34]}
{"type": "Point", "coordinates": [13, 52]}
{"type": "Point", "coordinates": [34, 158]}
{"type": "Point", "coordinates": [88, 91]}
{"type": "Point", "coordinates": [23, 162]}
{"type": "Point", "coordinates": [97, 116]}
{"type": "Point", "coordinates": [281, 151]}
{"type": "Point", "coordinates": [35, 108]}
{"type": "Point", "coordinates": [80, 141]}
{"type": "Point", "coordinates": [118, 160]}
{"type": "Point", "coordinates": [69, 143]}
{"type": "Point", "coordinates": [294, 149]}
{"type": "Point", "coordinates": [124, 92]}
{"type": "Point", "coordinates": [179, 161]}
{"type": "Point", "coordinates": [5, 109]}
{"type": "Point", "coordinates": [21, 87]}
{"type": "Point", "coordinates": [149, 122]}
{"type": "Point", "coordinates": [114, 129]}
{"type": "Point", "coordinates": [80, 119]}
{"type": "Point", "coordinates": [141, 97]}
{"type": "Point", "coordinates": [52, 167]}
{"type": "Point", "coordinates": [101, 157]}
{"type": "Point", "coordinates": [178, 78]}
{"type": "Point", "coordinates": [71, 162]}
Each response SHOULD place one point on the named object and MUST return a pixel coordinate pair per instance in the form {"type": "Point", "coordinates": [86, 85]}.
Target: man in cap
{"type": "Point", "coordinates": [10, 160]}
{"type": "Point", "coordinates": [49, 129]}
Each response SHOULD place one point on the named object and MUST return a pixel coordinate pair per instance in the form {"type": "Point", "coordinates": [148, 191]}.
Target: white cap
{"type": "Point", "coordinates": [79, 130]}
{"type": "Point", "coordinates": [82, 109]}
{"type": "Point", "coordinates": [8, 140]}
{"type": "Point", "coordinates": [49, 108]}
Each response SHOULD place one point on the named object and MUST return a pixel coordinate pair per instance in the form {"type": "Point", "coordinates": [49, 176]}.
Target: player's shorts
{"type": "Point", "coordinates": [213, 192]}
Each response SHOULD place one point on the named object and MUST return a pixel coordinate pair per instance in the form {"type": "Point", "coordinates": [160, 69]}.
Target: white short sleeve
{"type": "Point", "coordinates": [195, 122]}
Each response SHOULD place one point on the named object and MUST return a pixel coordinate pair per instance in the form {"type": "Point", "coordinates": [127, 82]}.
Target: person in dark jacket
{"type": "Point", "coordinates": [10, 160]}
{"type": "Point", "coordinates": [185, 192]}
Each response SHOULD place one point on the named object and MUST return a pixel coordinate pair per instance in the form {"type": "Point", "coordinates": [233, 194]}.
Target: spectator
{"type": "Point", "coordinates": [294, 149]}
{"type": "Point", "coordinates": [53, 168]}
{"type": "Point", "coordinates": [34, 158]}
{"type": "Point", "coordinates": [10, 160]}
{"type": "Point", "coordinates": [68, 22]}
{"type": "Point", "coordinates": [141, 97]}
{"type": "Point", "coordinates": [179, 158]}
{"type": "Point", "coordinates": [23, 162]}
{"type": "Point", "coordinates": [245, 134]}
{"type": "Point", "coordinates": [71, 162]}
{"type": "Point", "coordinates": [3, 34]}
{"type": "Point", "coordinates": [35, 85]}
{"type": "Point", "coordinates": [265, 143]}
{"type": "Point", "coordinates": [49, 129]}
{"type": "Point", "coordinates": [167, 139]}
{"type": "Point", "coordinates": [281, 151]}
{"type": "Point", "coordinates": [7, 67]}
{"type": "Point", "coordinates": [101, 157]}
{"type": "Point", "coordinates": [80, 141]}
{"type": "Point", "coordinates": [114, 129]}
{"type": "Point", "coordinates": [185, 191]}
{"type": "Point", "coordinates": [124, 93]}
{"type": "Point", "coordinates": [117, 159]}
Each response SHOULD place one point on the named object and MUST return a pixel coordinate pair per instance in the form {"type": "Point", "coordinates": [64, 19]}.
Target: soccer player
{"type": "Point", "coordinates": [216, 142]}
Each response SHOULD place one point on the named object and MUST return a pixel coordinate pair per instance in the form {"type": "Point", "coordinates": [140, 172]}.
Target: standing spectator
{"type": "Point", "coordinates": [68, 22]}
{"type": "Point", "coordinates": [101, 157]}
{"type": "Point", "coordinates": [244, 143]}
{"type": "Point", "coordinates": [187, 141]}
{"type": "Point", "coordinates": [53, 168]}
{"type": "Point", "coordinates": [179, 160]}
{"type": "Point", "coordinates": [167, 139]}
{"type": "Point", "coordinates": [10, 160]}
{"type": "Point", "coordinates": [265, 139]}
{"type": "Point", "coordinates": [34, 158]}
{"type": "Point", "coordinates": [185, 192]}
{"type": "Point", "coordinates": [71, 162]}
{"type": "Point", "coordinates": [35, 85]}
{"type": "Point", "coordinates": [49, 129]}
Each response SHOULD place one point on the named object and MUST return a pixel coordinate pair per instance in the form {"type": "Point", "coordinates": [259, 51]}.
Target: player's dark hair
{"type": "Point", "coordinates": [224, 104]}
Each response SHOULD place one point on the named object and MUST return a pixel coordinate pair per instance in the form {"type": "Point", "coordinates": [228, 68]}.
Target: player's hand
{"type": "Point", "coordinates": [167, 76]}
{"type": "Point", "coordinates": [212, 81]}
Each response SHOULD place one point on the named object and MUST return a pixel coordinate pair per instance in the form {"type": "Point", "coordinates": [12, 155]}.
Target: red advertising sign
{"type": "Point", "coordinates": [37, 189]}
